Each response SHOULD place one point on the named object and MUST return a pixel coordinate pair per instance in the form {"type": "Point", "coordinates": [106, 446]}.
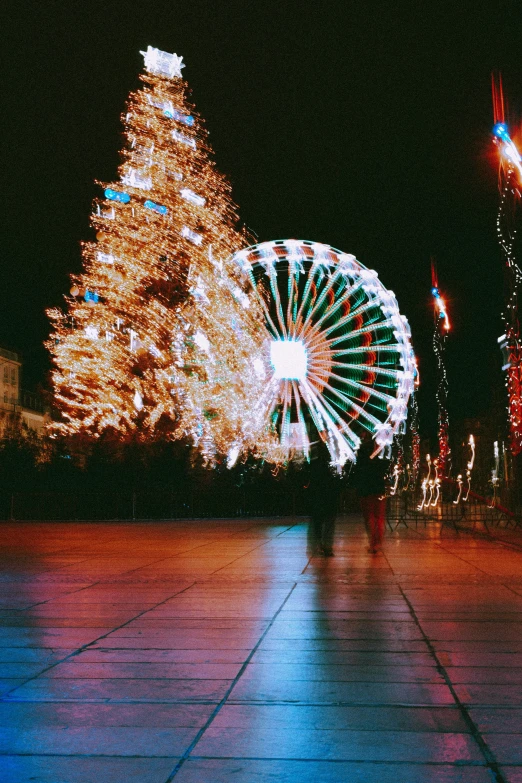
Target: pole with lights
{"type": "Point", "coordinates": [414, 430]}
{"type": "Point", "coordinates": [440, 334]}
{"type": "Point", "coordinates": [508, 219]}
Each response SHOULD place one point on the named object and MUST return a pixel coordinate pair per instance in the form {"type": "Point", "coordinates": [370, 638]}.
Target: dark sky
{"type": "Point", "coordinates": [365, 125]}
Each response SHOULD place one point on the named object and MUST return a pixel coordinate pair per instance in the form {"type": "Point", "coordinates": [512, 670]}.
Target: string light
{"type": "Point", "coordinates": [469, 466]}
{"type": "Point", "coordinates": [495, 475]}
{"type": "Point", "coordinates": [459, 484]}
{"type": "Point", "coordinates": [510, 166]}
{"type": "Point", "coordinates": [426, 486]}
{"type": "Point", "coordinates": [442, 326]}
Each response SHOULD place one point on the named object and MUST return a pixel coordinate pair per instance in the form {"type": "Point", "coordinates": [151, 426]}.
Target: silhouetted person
{"type": "Point", "coordinates": [368, 480]}
{"type": "Point", "coordinates": [324, 491]}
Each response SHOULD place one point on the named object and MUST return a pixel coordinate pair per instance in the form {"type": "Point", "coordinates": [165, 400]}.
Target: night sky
{"type": "Point", "coordinates": [364, 125]}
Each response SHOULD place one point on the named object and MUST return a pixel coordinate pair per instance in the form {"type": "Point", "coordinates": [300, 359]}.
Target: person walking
{"type": "Point", "coordinates": [324, 491]}
{"type": "Point", "coordinates": [368, 478]}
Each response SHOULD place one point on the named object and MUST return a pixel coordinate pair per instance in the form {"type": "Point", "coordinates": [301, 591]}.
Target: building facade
{"type": "Point", "coordinates": [15, 401]}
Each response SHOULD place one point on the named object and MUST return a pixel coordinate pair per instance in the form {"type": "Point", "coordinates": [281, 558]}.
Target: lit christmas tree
{"type": "Point", "coordinates": [162, 335]}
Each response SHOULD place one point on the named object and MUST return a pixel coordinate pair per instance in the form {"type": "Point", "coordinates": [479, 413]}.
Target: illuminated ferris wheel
{"type": "Point", "coordinates": [339, 351]}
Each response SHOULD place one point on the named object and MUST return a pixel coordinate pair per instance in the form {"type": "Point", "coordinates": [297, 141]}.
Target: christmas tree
{"type": "Point", "coordinates": [161, 335]}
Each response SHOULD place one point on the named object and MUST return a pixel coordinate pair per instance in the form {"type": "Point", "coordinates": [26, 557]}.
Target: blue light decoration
{"type": "Point", "coordinates": [508, 149]}
{"type": "Point", "coordinates": [91, 296]}
{"type": "Point", "coordinates": [500, 131]}
{"type": "Point", "coordinates": [117, 195]}
{"type": "Point", "coordinates": [159, 208]}
{"type": "Point", "coordinates": [174, 114]}
{"type": "Point", "coordinates": [439, 301]}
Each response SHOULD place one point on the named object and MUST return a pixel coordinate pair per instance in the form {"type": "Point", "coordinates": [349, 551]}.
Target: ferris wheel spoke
{"type": "Point", "coordinates": [335, 424]}
{"type": "Point", "coordinates": [312, 282]}
{"type": "Point", "coordinates": [337, 305]}
{"type": "Point", "coordinates": [343, 322]}
{"type": "Point", "coordinates": [387, 323]}
{"type": "Point", "coordinates": [278, 305]}
{"type": "Point", "coordinates": [343, 435]}
{"type": "Point", "coordinates": [370, 390]}
{"type": "Point", "coordinates": [314, 327]}
{"type": "Point", "coordinates": [321, 363]}
{"type": "Point", "coordinates": [293, 294]}
{"type": "Point", "coordinates": [347, 401]}
{"type": "Point", "coordinates": [297, 397]}
{"type": "Point", "coordinates": [349, 291]}
{"type": "Point", "coordinates": [374, 368]}
{"type": "Point", "coordinates": [312, 402]}
{"type": "Point", "coordinates": [373, 348]}
{"type": "Point", "coordinates": [320, 370]}
{"type": "Point", "coordinates": [309, 298]}
{"type": "Point", "coordinates": [309, 285]}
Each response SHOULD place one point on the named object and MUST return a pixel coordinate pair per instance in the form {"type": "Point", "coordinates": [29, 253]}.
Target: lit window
{"type": "Point", "coordinates": [13, 377]}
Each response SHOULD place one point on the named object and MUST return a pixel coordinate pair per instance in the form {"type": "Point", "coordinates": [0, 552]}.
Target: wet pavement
{"type": "Point", "coordinates": [220, 652]}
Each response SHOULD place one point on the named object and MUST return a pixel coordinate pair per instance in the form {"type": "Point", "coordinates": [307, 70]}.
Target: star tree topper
{"type": "Point", "coordinates": [162, 63]}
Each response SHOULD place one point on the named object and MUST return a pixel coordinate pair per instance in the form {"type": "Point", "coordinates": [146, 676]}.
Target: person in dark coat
{"type": "Point", "coordinates": [324, 491]}
{"type": "Point", "coordinates": [368, 478]}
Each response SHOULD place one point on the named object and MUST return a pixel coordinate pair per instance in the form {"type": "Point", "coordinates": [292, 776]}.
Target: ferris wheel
{"type": "Point", "coordinates": [339, 351]}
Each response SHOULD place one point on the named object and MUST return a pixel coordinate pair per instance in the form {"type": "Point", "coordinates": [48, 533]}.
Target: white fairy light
{"type": "Point", "coordinates": [162, 63]}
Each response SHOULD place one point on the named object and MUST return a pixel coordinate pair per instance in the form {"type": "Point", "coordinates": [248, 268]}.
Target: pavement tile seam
{"type": "Point", "coordinates": [395, 763]}
{"type": "Point", "coordinates": [74, 653]}
{"type": "Point", "coordinates": [489, 757]}
{"type": "Point", "coordinates": [122, 702]}
{"type": "Point", "coordinates": [240, 557]}
{"type": "Point", "coordinates": [181, 554]}
{"type": "Point", "coordinates": [202, 731]}
{"type": "Point", "coordinates": [84, 756]}
{"type": "Point", "coordinates": [398, 763]}
{"type": "Point", "coordinates": [338, 703]}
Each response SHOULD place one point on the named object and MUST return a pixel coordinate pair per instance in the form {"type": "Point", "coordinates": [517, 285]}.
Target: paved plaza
{"type": "Point", "coordinates": [220, 652]}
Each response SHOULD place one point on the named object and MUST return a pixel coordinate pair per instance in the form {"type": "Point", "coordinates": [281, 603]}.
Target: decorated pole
{"type": "Point", "coordinates": [440, 334]}
{"type": "Point", "coordinates": [510, 182]}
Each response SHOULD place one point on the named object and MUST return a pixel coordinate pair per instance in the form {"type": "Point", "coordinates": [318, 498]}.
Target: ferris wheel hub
{"type": "Point", "coordinates": [289, 359]}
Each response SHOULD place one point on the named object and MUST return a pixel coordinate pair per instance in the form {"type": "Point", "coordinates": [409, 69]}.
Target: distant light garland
{"type": "Point", "coordinates": [414, 433]}
{"type": "Point", "coordinates": [436, 484]}
{"type": "Point", "coordinates": [508, 218]}
{"type": "Point", "coordinates": [495, 474]}
{"type": "Point", "coordinates": [442, 326]}
{"type": "Point", "coordinates": [469, 466]}
{"type": "Point", "coordinates": [426, 486]}
{"type": "Point", "coordinates": [507, 233]}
